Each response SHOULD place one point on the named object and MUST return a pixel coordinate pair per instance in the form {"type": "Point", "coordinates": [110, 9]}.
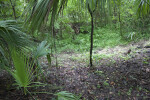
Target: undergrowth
{"type": "Point", "coordinates": [103, 38]}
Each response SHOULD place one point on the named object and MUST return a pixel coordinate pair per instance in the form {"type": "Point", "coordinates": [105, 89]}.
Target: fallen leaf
{"type": "Point", "coordinates": [147, 70]}
{"type": "Point", "coordinates": [112, 83]}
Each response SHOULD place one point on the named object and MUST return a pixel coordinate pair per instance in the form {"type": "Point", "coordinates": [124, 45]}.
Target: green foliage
{"type": "Point", "coordinates": [101, 73]}
{"type": "Point", "coordinates": [68, 29]}
{"type": "Point", "coordinates": [23, 72]}
{"type": "Point", "coordinates": [38, 11]}
{"type": "Point", "coordinates": [98, 86]}
{"type": "Point", "coordinates": [125, 57]}
{"type": "Point", "coordinates": [143, 7]}
{"type": "Point", "coordinates": [6, 11]}
{"type": "Point", "coordinates": [39, 6]}
{"type": "Point", "coordinates": [64, 95]}
{"type": "Point", "coordinates": [119, 15]}
{"type": "Point", "coordinates": [75, 12]}
{"type": "Point", "coordinates": [49, 58]}
{"type": "Point", "coordinates": [103, 37]}
{"type": "Point", "coordinates": [41, 50]}
{"type": "Point", "coordinates": [129, 92]}
{"type": "Point", "coordinates": [105, 83]}
{"type": "Point", "coordinates": [11, 35]}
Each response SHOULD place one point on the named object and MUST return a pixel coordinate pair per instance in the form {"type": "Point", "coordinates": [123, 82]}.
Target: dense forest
{"type": "Point", "coordinates": [74, 49]}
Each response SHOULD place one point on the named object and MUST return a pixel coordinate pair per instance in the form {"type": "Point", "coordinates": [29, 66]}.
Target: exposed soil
{"type": "Point", "coordinates": [120, 73]}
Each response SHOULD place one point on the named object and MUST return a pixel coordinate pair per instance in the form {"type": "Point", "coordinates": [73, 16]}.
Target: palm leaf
{"type": "Point", "coordinates": [11, 35]}
{"type": "Point", "coordinates": [64, 95]}
{"type": "Point", "coordinates": [23, 70]}
{"type": "Point", "coordinates": [143, 7]}
{"type": "Point", "coordinates": [41, 50]}
{"type": "Point", "coordinates": [40, 10]}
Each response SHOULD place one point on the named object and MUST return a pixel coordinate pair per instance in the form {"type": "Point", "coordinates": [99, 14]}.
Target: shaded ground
{"type": "Point", "coordinates": [121, 73]}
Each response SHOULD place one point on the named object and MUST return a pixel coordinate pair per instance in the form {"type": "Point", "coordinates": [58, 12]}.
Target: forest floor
{"type": "Point", "coordinates": [120, 73]}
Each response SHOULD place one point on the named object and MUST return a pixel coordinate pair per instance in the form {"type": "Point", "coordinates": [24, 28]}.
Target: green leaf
{"type": "Point", "coordinates": [41, 50]}
{"type": "Point", "coordinates": [23, 70]}
{"type": "Point", "coordinates": [64, 95]}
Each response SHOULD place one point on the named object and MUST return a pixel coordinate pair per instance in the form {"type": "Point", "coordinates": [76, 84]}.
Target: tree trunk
{"type": "Point", "coordinates": [120, 24]}
{"type": "Point", "coordinates": [13, 8]}
{"type": "Point", "coordinates": [54, 36]}
{"type": "Point", "coordinates": [92, 30]}
{"type": "Point", "coordinates": [91, 48]}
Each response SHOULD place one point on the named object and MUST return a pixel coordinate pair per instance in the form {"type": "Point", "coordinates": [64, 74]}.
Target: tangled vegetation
{"type": "Point", "coordinates": [74, 49]}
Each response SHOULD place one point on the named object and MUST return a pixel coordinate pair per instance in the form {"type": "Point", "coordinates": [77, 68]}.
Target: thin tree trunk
{"type": "Point", "coordinates": [54, 36]}
{"type": "Point", "coordinates": [105, 17]}
{"type": "Point", "coordinates": [13, 8]}
{"type": "Point", "coordinates": [120, 24]}
{"type": "Point", "coordinates": [91, 48]}
{"type": "Point", "coordinates": [91, 39]}
{"type": "Point", "coordinates": [92, 31]}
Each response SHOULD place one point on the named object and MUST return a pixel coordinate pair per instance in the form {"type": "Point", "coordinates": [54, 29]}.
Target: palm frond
{"type": "Point", "coordinates": [40, 10]}
{"type": "Point", "coordinates": [41, 50]}
{"type": "Point", "coordinates": [64, 95]}
{"type": "Point", "coordinates": [143, 7]}
{"type": "Point", "coordinates": [23, 72]}
{"type": "Point", "coordinates": [11, 35]}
